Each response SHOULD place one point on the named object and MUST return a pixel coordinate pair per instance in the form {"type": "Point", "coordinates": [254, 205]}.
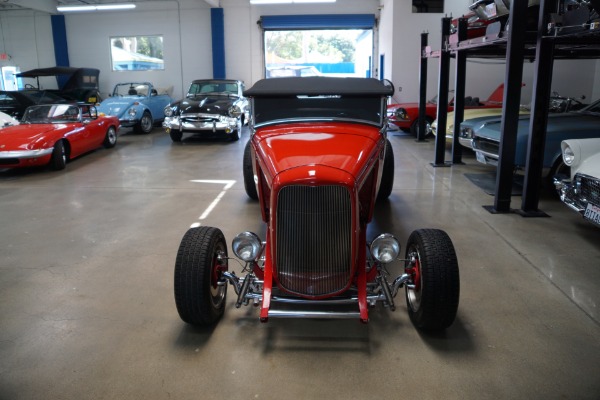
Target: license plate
{"type": "Point", "coordinates": [592, 213]}
{"type": "Point", "coordinates": [480, 157]}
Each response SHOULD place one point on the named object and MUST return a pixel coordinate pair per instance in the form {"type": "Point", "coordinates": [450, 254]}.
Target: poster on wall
{"type": "Point", "coordinates": [9, 80]}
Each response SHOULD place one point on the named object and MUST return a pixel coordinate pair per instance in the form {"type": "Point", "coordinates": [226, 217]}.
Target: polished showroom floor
{"type": "Point", "coordinates": [87, 308]}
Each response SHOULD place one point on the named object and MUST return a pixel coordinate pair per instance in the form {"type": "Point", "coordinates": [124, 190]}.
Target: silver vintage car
{"type": "Point", "coordinates": [212, 107]}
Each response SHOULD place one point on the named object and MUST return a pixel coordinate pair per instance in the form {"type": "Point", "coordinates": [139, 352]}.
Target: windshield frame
{"type": "Point", "coordinates": [52, 114]}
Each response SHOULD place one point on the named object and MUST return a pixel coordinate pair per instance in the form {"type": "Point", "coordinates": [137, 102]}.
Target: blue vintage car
{"type": "Point", "coordinates": [483, 136]}
{"type": "Point", "coordinates": [137, 105]}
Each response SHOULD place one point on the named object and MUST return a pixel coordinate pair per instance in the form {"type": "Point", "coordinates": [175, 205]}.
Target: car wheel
{"type": "Point", "coordinates": [559, 168]}
{"type": "Point", "coordinates": [58, 160]}
{"type": "Point", "coordinates": [176, 135]}
{"type": "Point", "coordinates": [248, 171]}
{"type": "Point", "coordinates": [432, 293]}
{"type": "Point", "coordinates": [110, 140]}
{"type": "Point", "coordinates": [414, 128]}
{"type": "Point", "coordinates": [145, 125]}
{"type": "Point", "coordinates": [201, 259]}
{"type": "Point", "coordinates": [235, 135]}
{"type": "Point", "coordinates": [387, 176]}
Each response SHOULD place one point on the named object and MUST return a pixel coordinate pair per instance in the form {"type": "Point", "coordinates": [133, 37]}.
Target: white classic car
{"type": "Point", "coordinates": [581, 191]}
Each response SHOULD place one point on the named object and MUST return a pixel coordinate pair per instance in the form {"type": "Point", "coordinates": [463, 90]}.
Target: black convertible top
{"type": "Point", "coordinates": [320, 85]}
{"type": "Point", "coordinates": [53, 71]}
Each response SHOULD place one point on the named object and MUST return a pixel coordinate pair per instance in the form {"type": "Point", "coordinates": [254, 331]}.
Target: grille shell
{"type": "Point", "coordinates": [313, 240]}
{"type": "Point", "coordinates": [590, 190]}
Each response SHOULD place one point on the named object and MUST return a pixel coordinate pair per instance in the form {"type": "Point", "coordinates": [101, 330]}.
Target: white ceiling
{"type": "Point", "coordinates": [49, 6]}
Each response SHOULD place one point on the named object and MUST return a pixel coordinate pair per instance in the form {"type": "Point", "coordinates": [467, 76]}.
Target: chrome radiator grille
{"type": "Point", "coordinates": [314, 239]}
{"type": "Point", "coordinates": [590, 188]}
{"type": "Point", "coordinates": [489, 146]}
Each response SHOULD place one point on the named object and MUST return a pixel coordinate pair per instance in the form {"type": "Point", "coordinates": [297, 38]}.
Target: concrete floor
{"type": "Point", "coordinates": [87, 308]}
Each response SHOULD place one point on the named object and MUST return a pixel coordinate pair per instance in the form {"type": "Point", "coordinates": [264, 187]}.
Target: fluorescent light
{"type": "Point", "coordinates": [289, 1]}
{"type": "Point", "coordinates": [103, 7]}
{"type": "Point", "coordinates": [270, 1]}
{"type": "Point", "coordinates": [115, 7]}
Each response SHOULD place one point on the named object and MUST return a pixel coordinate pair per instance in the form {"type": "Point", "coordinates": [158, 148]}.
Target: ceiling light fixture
{"type": "Point", "coordinates": [103, 7]}
{"type": "Point", "coordinates": [289, 1]}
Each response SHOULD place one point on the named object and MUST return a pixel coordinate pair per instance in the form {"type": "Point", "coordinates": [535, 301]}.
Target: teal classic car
{"type": "Point", "coordinates": [137, 105]}
{"type": "Point", "coordinates": [483, 136]}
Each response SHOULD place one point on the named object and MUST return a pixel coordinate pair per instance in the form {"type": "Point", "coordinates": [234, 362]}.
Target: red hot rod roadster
{"type": "Point", "coordinates": [318, 161]}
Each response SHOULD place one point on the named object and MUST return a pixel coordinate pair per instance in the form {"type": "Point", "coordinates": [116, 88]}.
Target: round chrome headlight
{"type": "Point", "coordinates": [247, 246]}
{"type": "Point", "coordinates": [400, 113]}
{"type": "Point", "coordinates": [385, 248]}
{"type": "Point", "coordinates": [235, 111]}
{"type": "Point", "coordinates": [466, 133]}
{"type": "Point", "coordinates": [568, 155]}
{"type": "Point", "coordinates": [168, 111]}
{"type": "Point", "coordinates": [132, 112]}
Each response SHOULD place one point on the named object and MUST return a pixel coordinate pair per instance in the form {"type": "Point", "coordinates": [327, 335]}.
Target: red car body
{"type": "Point", "coordinates": [53, 134]}
{"type": "Point", "coordinates": [406, 115]}
{"type": "Point", "coordinates": [317, 161]}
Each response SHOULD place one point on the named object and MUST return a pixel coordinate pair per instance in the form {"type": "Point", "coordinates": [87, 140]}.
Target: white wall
{"type": "Point", "coordinates": [26, 36]}
{"type": "Point", "coordinates": [185, 25]}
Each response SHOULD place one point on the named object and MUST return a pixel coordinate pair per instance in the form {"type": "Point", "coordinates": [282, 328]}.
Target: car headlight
{"type": "Point", "coordinates": [568, 155]}
{"type": "Point", "coordinates": [168, 112]}
{"type": "Point", "coordinates": [235, 111]}
{"type": "Point", "coordinates": [400, 113]}
{"type": "Point", "coordinates": [466, 133]}
{"type": "Point", "coordinates": [385, 248]}
{"type": "Point", "coordinates": [132, 112]}
{"type": "Point", "coordinates": [247, 246]}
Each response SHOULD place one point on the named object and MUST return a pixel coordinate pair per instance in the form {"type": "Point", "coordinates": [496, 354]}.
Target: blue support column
{"type": "Point", "coordinates": [218, 42]}
{"type": "Point", "coordinates": [61, 50]}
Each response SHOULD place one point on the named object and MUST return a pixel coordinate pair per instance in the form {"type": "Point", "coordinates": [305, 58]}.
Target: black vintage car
{"type": "Point", "coordinates": [14, 103]}
{"type": "Point", "coordinates": [77, 84]}
{"type": "Point", "coordinates": [212, 108]}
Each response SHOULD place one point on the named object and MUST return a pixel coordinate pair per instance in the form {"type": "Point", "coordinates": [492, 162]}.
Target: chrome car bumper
{"type": "Point", "coordinates": [201, 122]}
{"type": "Point", "coordinates": [581, 194]}
{"type": "Point", "coordinates": [25, 154]}
{"type": "Point", "coordinates": [468, 143]}
{"type": "Point", "coordinates": [128, 123]}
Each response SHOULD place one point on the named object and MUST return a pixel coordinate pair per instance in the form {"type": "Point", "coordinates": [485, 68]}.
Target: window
{"type": "Point", "coordinates": [337, 52]}
{"type": "Point", "coordinates": [428, 6]}
{"type": "Point", "coordinates": [318, 44]}
{"type": "Point", "coordinates": [137, 53]}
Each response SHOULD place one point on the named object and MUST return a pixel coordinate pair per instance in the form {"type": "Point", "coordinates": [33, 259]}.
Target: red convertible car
{"type": "Point", "coordinates": [52, 134]}
{"type": "Point", "coordinates": [318, 160]}
{"type": "Point", "coordinates": [406, 115]}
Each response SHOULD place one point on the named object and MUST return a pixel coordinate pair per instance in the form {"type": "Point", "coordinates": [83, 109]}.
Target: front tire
{"type": "Point", "coordinates": [558, 169]}
{"type": "Point", "coordinates": [146, 124]}
{"type": "Point", "coordinates": [414, 128]}
{"type": "Point", "coordinates": [110, 140]}
{"type": "Point", "coordinates": [176, 135]}
{"type": "Point", "coordinates": [201, 259]}
{"type": "Point", "coordinates": [387, 176]}
{"type": "Point", "coordinates": [433, 293]}
{"type": "Point", "coordinates": [248, 171]}
{"type": "Point", "coordinates": [58, 160]}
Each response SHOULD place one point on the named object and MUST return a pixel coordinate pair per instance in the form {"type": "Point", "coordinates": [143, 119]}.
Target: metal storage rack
{"type": "Point", "coordinates": [516, 47]}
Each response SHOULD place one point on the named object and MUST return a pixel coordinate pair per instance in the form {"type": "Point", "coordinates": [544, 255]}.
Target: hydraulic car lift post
{"type": "Point", "coordinates": [515, 55]}
{"type": "Point", "coordinates": [542, 82]}
{"type": "Point", "coordinates": [422, 89]}
{"type": "Point", "coordinates": [443, 87]}
{"type": "Point", "coordinates": [459, 94]}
